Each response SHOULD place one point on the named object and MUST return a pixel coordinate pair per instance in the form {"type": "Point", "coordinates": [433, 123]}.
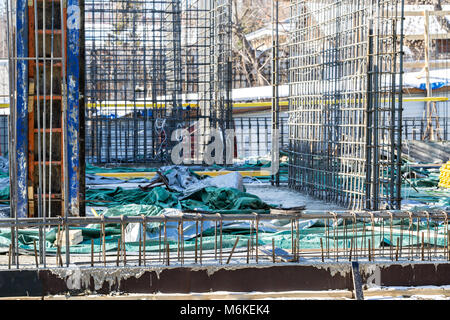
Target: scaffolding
{"type": "Point", "coordinates": [345, 101]}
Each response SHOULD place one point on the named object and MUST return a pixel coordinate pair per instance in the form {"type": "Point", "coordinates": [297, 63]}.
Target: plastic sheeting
{"type": "Point", "coordinates": [217, 200]}
{"type": "Point", "coordinates": [420, 189]}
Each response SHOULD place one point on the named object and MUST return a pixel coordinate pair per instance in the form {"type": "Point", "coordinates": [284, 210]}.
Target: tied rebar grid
{"type": "Point", "coordinates": [151, 68]}
{"type": "Point", "coordinates": [344, 122]}
{"type": "Point", "coordinates": [221, 110]}
{"type": "Point", "coordinates": [370, 236]}
{"type": "Point", "coordinates": [414, 128]}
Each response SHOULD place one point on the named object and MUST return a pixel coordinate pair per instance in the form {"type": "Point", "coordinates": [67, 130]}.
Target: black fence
{"type": "Point", "coordinates": [136, 139]}
{"type": "Point", "coordinates": [146, 138]}
{"type": "Point", "coordinates": [3, 135]}
{"type": "Point", "coordinates": [253, 136]}
{"type": "Point", "coordinates": [415, 128]}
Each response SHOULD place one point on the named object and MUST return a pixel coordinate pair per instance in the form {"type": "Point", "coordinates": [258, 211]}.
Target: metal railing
{"type": "Point", "coordinates": [253, 135]}
{"type": "Point", "coordinates": [414, 128]}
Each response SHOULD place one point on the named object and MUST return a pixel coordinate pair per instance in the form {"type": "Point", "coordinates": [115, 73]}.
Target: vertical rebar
{"type": "Point", "coordinates": [118, 252]}
{"type": "Point", "coordinates": [397, 249]}
{"type": "Point", "coordinates": [248, 251]}
{"type": "Point", "coordinates": [103, 240]}
{"type": "Point", "coordinates": [215, 240]}
{"type": "Point", "coordinates": [321, 249]}
{"type": "Point", "coordinates": [35, 254]}
{"type": "Point", "coordinates": [221, 239]}
{"type": "Point", "coordinates": [232, 250]}
{"type": "Point", "coordinates": [257, 237]}
{"type": "Point", "coordinates": [273, 250]}
{"type": "Point", "coordinates": [140, 249]}
{"type": "Point", "coordinates": [196, 241]}
{"type": "Point", "coordinates": [10, 256]}
{"type": "Point", "coordinates": [168, 254]}
{"type": "Point", "coordinates": [144, 230]}
{"type": "Point", "coordinates": [201, 241]}
{"type": "Point", "coordinates": [92, 252]}
{"type": "Point", "coordinates": [182, 240]}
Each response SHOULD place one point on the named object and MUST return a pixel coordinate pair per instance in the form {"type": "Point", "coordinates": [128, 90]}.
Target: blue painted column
{"type": "Point", "coordinates": [73, 105]}
{"type": "Point", "coordinates": [21, 109]}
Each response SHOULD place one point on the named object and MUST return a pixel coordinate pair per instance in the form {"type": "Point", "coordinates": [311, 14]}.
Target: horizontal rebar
{"type": "Point", "coordinates": [387, 214]}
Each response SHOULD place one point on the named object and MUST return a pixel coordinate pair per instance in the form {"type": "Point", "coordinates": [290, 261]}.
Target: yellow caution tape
{"type": "Point", "coordinates": [236, 105]}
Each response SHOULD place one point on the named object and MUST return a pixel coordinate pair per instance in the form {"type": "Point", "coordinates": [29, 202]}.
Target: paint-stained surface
{"type": "Point", "coordinates": [244, 278]}
{"type": "Point", "coordinates": [73, 77]}
{"type": "Point", "coordinates": [22, 108]}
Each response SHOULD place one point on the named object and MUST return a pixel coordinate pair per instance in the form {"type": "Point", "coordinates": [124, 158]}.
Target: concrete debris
{"type": "Point", "coordinates": [75, 237]}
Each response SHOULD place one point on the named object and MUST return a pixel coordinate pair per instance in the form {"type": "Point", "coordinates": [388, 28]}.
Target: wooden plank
{"type": "Point", "coordinates": [298, 209]}
{"type": "Point", "coordinates": [336, 294]}
{"type": "Point", "coordinates": [433, 65]}
{"type": "Point", "coordinates": [436, 36]}
{"type": "Point", "coordinates": [281, 255]}
{"type": "Point", "coordinates": [440, 13]}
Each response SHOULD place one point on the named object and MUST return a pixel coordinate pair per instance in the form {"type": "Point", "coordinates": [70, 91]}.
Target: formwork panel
{"type": "Point", "coordinates": [43, 103]}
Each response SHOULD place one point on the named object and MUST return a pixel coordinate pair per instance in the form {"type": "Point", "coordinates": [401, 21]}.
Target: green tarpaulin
{"type": "Point", "coordinates": [222, 200]}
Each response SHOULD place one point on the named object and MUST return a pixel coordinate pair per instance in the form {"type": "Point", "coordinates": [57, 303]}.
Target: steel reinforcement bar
{"type": "Point", "coordinates": [432, 214]}
{"type": "Point", "coordinates": [210, 239]}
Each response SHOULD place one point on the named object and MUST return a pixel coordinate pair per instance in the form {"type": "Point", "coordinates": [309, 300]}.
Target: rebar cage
{"type": "Point", "coordinates": [345, 101]}
{"type": "Point", "coordinates": [151, 68]}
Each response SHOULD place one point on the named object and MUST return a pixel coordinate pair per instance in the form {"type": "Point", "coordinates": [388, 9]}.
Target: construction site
{"type": "Point", "coordinates": [224, 149]}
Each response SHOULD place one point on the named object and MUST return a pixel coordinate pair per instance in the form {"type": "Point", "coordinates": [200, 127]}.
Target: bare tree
{"type": "Point", "coordinates": [445, 24]}
{"type": "Point", "coordinates": [249, 16]}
